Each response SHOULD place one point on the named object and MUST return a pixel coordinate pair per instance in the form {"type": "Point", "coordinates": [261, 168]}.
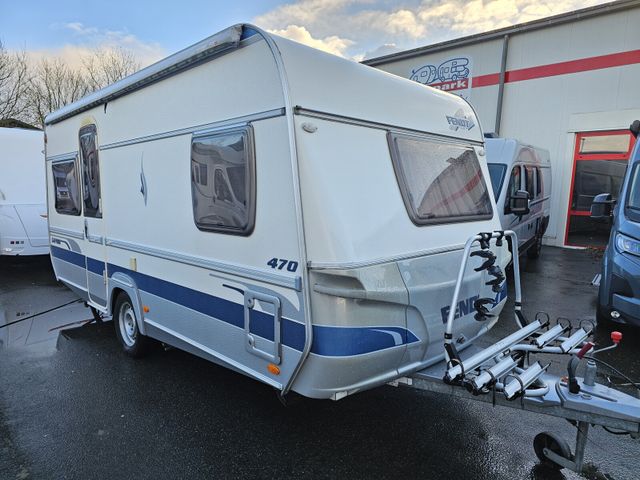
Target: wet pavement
{"type": "Point", "coordinates": [72, 406]}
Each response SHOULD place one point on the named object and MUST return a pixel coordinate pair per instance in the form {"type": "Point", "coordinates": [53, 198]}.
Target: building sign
{"type": "Point", "coordinates": [453, 75]}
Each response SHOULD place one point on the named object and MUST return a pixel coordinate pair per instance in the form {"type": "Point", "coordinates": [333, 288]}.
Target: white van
{"type": "Point", "coordinates": [521, 170]}
{"type": "Point", "coordinates": [23, 211]}
{"type": "Point", "coordinates": [305, 233]}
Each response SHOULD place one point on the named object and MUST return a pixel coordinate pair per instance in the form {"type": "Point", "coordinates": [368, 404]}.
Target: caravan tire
{"type": "Point", "coordinates": [126, 324]}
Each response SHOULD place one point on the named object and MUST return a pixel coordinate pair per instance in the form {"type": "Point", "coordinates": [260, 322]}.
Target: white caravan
{"type": "Point", "coordinates": [281, 222]}
{"type": "Point", "coordinates": [23, 211]}
{"type": "Point", "coordinates": [310, 225]}
{"type": "Point", "coordinates": [517, 169]}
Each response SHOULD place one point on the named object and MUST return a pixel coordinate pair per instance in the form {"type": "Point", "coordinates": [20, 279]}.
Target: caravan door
{"type": "Point", "coordinates": [95, 250]}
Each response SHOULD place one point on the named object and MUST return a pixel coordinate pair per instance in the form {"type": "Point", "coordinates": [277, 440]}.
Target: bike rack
{"type": "Point", "coordinates": [505, 371]}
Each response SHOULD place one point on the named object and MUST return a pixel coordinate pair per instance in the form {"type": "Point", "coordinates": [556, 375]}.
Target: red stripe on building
{"type": "Point", "coordinates": [561, 68]}
{"type": "Point", "coordinates": [485, 80]}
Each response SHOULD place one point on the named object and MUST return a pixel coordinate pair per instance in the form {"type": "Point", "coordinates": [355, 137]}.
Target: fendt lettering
{"type": "Point", "coordinates": [464, 308]}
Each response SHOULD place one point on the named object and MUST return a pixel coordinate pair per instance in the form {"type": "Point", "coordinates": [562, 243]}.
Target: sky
{"type": "Point", "coordinates": [353, 29]}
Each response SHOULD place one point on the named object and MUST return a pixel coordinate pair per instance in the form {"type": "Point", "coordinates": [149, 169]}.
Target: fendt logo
{"type": "Point", "coordinates": [465, 307]}
{"type": "Point", "coordinates": [452, 75]}
{"type": "Point", "coordinates": [460, 120]}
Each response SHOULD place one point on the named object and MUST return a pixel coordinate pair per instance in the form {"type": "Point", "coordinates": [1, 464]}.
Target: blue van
{"type": "Point", "coordinates": [619, 292]}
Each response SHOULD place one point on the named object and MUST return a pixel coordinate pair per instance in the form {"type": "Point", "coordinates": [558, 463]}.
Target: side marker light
{"type": "Point", "coordinates": [274, 369]}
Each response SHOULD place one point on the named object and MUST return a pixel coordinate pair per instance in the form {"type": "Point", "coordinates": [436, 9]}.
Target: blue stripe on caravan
{"type": "Point", "coordinates": [95, 266]}
{"type": "Point", "coordinates": [68, 256]}
{"type": "Point", "coordinates": [327, 340]}
{"type": "Point", "coordinates": [219, 308]}
{"type": "Point", "coordinates": [345, 341]}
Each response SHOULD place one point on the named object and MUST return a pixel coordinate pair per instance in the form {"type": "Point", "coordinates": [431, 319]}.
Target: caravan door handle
{"type": "Point", "coordinates": [86, 229]}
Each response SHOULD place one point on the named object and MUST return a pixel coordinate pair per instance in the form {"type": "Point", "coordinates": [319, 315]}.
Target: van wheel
{"type": "Point", "coordinates": [126, 324]}
{"type": "Point", "coordinates": [536, 248]}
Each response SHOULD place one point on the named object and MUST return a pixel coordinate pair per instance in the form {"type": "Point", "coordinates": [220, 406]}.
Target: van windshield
{"type": "Point", "coordinates": [496, 172]}
{"type": "Point", "coordinates": [440, 181]}
{"type": "Point", "coordinates": [633, 201]}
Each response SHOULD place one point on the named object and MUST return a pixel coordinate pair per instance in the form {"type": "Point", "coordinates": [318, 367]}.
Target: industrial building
{"type": "Point", "coordinates": [568, 83]}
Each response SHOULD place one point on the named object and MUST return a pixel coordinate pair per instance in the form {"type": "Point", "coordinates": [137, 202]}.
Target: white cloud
{"type": "Point", "coordinates": [382, 50]}
{"type": "Point", "coordinates": [482, 15]}
{"type": "Point", "coordinates": [89, 39]}
{"type": "Point", "coordinates": [332, 44]}
{"type": "Point", "coordinates": [369, 23]}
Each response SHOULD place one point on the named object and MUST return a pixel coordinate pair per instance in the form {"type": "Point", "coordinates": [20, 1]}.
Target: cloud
{"type": "Point", "coordinates": [381, 51]}
{"type": "Point", "coordinates": [80, 29]}
{"type": "Point", "coordinates": [370, 23]}
{"type": "Point", "coordinates": [481, 15]}
{"type": "Point", "coordinates": [90, 38]}
{"type": "Point", "coordinates": [331, 44]}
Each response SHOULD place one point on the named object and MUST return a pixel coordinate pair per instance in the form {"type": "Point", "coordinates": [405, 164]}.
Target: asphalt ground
{"type": "Point", "coordinates": [72, 406]}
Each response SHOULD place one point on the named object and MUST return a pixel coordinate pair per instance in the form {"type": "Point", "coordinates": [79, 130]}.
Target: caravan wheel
{"type": "Point", "coordinates": [126, 323]}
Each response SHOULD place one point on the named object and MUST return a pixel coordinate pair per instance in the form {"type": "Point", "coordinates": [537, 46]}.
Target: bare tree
{"type": "Point", "coordinates": [13, 84]}
{"type": "Point", "coordinates": [54, 84]}
{"type": "Point", "coordinates": [107, 66]}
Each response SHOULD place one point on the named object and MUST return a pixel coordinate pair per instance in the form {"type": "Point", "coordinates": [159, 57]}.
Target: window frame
{"type": "Point", "coordinates": [507, 210]}
{"type": "Point", "coordinates": [398, 170]}
{"type": "Point", "coordinates": [75, 162]}
{"type": "Point", "coordinates": [633, 213]}
{"type": "Point", "coordinates": [90, 128]}
{"type": "Point", "coordinates": [503, 177]}
{"type": "Point", "coordinates": [530, 181]}
{"type": "Point", "coordinates": [251, 194]}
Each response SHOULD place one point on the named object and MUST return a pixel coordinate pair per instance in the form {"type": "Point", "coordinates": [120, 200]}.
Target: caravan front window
{"type": "Point", "coordinates": [67, 189]}
{"type": "Point", "coordinates": [440, 182]}
{"type": "Point", "coordinates": [222, 181]}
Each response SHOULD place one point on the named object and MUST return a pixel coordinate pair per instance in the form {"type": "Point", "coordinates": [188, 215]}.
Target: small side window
{"type": "Point", "coordinates": [514, 181]}
{"type": "Point", "coordinates": [529, 182]}
{"type": "Point", "coordinates": [538, 182]}
{"type": "Point", "coordinates": [514, 186]}
{"type": "Point", "coordinates": [90, 172]}
{"type": "Point", "coordinates": [223, 181]}
{"type": "Point", "coordinates": [67, 187]}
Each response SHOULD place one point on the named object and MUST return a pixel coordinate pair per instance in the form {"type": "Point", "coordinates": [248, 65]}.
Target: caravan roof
{"type": "Point", "coordinates": [315, 82]}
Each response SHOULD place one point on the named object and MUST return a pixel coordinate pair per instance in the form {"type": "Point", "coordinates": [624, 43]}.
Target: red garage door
{"type": "Point", "coordinates": [599, 163]}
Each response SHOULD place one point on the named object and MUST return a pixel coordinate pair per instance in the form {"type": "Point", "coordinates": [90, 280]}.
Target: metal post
{"type": "Point", "coordinates": [581, 443]}
{"type": "Point", "coordinates": [503, 68]}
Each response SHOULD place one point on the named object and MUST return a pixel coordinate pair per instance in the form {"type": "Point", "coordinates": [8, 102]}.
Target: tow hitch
{"type": "Point", "coordinates": [507, 373]}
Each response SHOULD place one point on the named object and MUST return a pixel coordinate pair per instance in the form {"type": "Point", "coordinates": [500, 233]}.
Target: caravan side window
{"type": "Point", "coordinates": [67, 187]}
{"type": "Point", "coordinates": [90, 172]}
{"type": "Point", "coordinates": [440, 182]}
{"type": "Point", "coordinates": [223, 181]}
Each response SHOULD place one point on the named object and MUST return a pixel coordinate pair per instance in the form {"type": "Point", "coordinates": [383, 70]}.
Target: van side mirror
{"type": "Point", "coordinates": [602, 206]}
{"type": "Point", "coordinates": [635, 128]}
{"type": "Point", "coordinates": [519, 203]}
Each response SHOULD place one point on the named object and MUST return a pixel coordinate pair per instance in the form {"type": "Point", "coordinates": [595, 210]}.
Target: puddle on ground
{"type": "Point", "coordinates": [29, 300]}
{"type": "Point", "coordinates": [42, 331]}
